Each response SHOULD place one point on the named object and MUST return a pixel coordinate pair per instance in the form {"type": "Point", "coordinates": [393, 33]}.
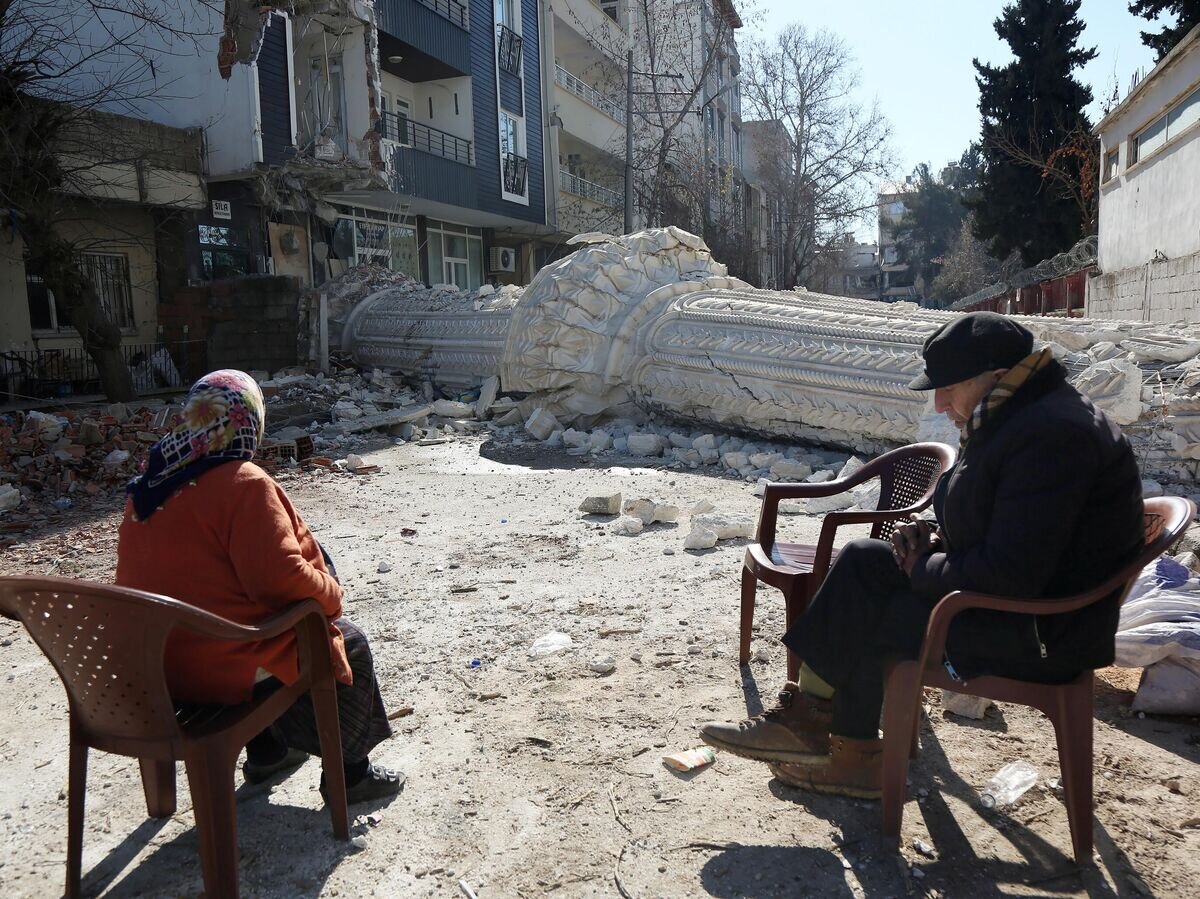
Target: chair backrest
{"type": "Point", "coordinates": [1164, 518]}
{"type": "Point", "coordinates": [107, 644]}
{"type": "Point", "coordinates": [905, 475]}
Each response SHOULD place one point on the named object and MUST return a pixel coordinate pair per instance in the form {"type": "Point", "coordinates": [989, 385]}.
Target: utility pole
{"type": "Point", "coordinates": [629, 141]}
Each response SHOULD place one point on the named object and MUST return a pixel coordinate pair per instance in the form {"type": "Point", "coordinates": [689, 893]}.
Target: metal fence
{"type": "Point", "coordinates": [589, 191]}
{"type": "Point", "coordinates": [50, 374]}
{"type": "Point", "coordinates": [448, 9]}
{"type": "Point", "coordinates": [588, 94]}
{"type": "Point", "coordinates": [426, 138]}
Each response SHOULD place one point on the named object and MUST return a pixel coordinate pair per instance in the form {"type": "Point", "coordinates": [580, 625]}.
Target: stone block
{"type": "Point", "coordinates": [602, 504]}
{"type": "Point", "coordinates": [787, 470]}
{"type": "Point", "coordinates": [645, 444]}
{"type": "Point", "coordinates": [541, 424]}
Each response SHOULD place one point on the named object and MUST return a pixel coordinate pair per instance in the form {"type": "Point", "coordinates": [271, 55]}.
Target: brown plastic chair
{"type": "Point", "coordinates": [1068, 706]}
{"type": "Point", "coordinates": [107, 644]}
{"type": "Point", "coordinates": [907, 478]}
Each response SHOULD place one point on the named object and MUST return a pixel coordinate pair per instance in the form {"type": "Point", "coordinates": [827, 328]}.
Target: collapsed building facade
{"type": "Point", "coordinates": [651, 323]}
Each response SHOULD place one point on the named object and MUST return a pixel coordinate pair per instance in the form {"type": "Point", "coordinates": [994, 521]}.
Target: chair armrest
{"type": "Point", "coordinates": [952, 604]}
{"type": "Point", "coordinates": [768, 517]}
{"type": "Point", "coordinates": [287, 619]}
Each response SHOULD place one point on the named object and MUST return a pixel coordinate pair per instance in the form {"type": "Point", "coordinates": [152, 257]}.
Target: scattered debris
{"type": "Point", "coordinates": [603, 665]}
{"type": "Point", "coordinates": [691, 759]}
{"type": "Point", "coordinates": [550, 644]}
{"type": "Point", "coordinates": [608, 504]}
{"type": "Point", "coordinates": [964, 706]}
{"type": "Point", "coordinates": [626, 526]}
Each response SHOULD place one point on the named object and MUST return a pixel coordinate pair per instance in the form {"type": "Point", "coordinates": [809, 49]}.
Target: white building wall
{"type": "Point", "coordinates": [439, 95]}
{"type": "Point", "coordinates": [1154, 205]}
{"type": "Point", "coordinates": [183, 88]}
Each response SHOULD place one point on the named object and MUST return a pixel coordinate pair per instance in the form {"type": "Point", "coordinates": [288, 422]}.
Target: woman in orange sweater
{"type": "Point", "coordinates": [205, 525]}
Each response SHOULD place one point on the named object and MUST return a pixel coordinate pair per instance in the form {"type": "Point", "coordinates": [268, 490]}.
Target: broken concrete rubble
{"type": "Point", "coordinates": [608, 504]}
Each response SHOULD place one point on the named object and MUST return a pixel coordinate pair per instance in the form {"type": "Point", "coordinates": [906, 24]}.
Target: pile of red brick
{"type": "Point", "coordinates": [70, 450]}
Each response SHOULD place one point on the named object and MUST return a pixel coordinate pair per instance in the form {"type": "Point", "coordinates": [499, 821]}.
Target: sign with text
{"type": "Point", "coordinates": [221, 209]}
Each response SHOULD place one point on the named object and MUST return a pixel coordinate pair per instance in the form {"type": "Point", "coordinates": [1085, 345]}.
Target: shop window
{"type": "Point", "coordinates": [223, 252]}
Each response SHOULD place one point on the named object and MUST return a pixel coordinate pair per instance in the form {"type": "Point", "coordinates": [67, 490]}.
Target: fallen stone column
{"type": "Point", "coordinates": [651, 322]}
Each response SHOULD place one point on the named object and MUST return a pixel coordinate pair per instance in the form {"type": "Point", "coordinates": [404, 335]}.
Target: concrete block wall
{"type": "Point", "coordinates": [247, 323]}
{"type": "Point", "coordinates": [1158, 292]}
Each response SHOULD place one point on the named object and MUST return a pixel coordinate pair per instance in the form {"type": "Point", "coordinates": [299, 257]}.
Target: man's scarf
{"type": "Point", "coordinates": [1013, 381]}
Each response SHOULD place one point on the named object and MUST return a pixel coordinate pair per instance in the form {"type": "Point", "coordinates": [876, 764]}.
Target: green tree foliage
{"type": "Point", "coordinates": [1030, 109]}
{"type": "Point", "coordinates": [1187, 17]}
{"type": "Point", "coordinates": [932, 217]}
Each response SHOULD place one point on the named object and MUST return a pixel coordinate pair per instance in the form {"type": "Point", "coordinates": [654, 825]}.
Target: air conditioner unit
{"type": "Point", "coordinates": [503, 259]}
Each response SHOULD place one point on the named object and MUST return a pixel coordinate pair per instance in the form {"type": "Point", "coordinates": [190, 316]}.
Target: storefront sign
{"type": "Point", "coordinates": [221, 209]}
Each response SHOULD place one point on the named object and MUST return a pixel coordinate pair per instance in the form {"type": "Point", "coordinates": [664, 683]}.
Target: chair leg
{"type": "Point", "coordinates": [795, 602]}
{"type": "Point", "coordinates": [324, 699]}
{"type": "Point", "coordinates": [900, 711]}
{"type": "Point", "coordinates": [76, 794]}
{"type": "Point", "coordinates": [749, 588]}
{"type": "Point", "coordinates": [210, 778]}
{"type": "Point", "coordinates": [1073, 730]}
{"type": "Point", "coordinates": [158, 783]}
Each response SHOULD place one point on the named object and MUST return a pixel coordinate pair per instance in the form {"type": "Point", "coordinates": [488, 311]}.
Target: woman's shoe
{"type": "Point", "coordinates": [376, 783]}
{"type": "Point", "coordinates": [257, 772]}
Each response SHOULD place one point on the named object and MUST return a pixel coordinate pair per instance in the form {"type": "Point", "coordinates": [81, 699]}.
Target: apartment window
{"type": "Point", "coordinates": [455, 255]}
{"type": "Point", "coordinates": [512, 155]}
{"type": "Point", "coordinates": [109, 274]}
{"type": "Point", "coordinates": [1179, 118]}
{"type": "Point", "coordinates": [508, 36]}
{"type": "Point", "coordinates": [506, 14]}
{"type": "Point", "coordinates": [1112, 161]}
{"type": "Point", "coordinates": [325, 100]}
{"type": "Point", "coordinates": [611, 8]}
{"type": "Point", "coordinates": [223, 252]}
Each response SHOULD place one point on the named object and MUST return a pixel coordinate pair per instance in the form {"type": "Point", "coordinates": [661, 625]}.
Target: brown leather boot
{"type": "Point", "coordinates": [853, 768]}
{"type": "Point", "coordinates": [796, 730]}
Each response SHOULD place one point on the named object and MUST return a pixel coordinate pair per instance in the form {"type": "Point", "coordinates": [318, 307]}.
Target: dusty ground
{"type": "Point", "coordinates": [554, 785]}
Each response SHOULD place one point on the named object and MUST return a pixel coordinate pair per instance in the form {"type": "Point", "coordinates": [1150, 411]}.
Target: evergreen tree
{"type": "Point", "coordinates": [1030, 108]}
{"type": "Point", "coordinates": [933, 215]}
{"type": "Point", "coordinates": [1187, 17]}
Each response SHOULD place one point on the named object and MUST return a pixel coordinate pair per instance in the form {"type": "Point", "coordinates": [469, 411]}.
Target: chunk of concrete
{"type": "Point", "coordinates": [965, 706]}
{"type": "Point", "coordinates": [576, 439]}
{"type": "Point", "coordinates": [645, 444]}
{"type": "Point", "coordinates": [602, 504]}
{"type": "Point", "coordinates": [641, 509]}
{"type": "Point", "coordinates": [541, 424]}
{"type": "Point", "coordinates": [682, 441]}
{"type": "Point", "coordinates": [665, 513]}
{"type": "Point", "coordinates": [600, 441]}
{"type": "Point", "coordinates": [705, 443]}
{"type": "Point", "coordinates": [765, 460]}
{"type": "Point", "coordinates": [700, 507]}
{"type": "Point", "coordinates": [626, 526]}
{"type": "Point", "coordinates": [736, 460]}
{"type": "Point", "coordinates": [725, 526]}
{"type": "Point", "coordinates": [487, 396]}
{"type": "Point", "coordinates": [788, 470]}
{"type": "Point", "coordinates": [453, 409]}
{"type": "Point", "coordinates": [700, 538]}
{"type": "Point", "coordinates": [820, 477]}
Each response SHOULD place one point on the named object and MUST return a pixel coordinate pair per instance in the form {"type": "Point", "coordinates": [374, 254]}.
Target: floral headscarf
{"type": "Point", "coordinates": [223, 421]}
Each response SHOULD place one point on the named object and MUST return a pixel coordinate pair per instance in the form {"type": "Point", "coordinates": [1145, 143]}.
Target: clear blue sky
{"type": "Point", "coordinates": [915, 58]}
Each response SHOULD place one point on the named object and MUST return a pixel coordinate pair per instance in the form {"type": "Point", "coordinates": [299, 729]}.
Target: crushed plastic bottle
{"type": "Point", "coordinates": [1010, 784]}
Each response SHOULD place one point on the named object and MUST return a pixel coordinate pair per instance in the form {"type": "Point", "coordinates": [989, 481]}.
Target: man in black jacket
{"type": "Point", "coordinates": [1045, 500]}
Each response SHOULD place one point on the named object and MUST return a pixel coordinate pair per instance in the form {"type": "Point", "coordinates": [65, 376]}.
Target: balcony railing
{"type": "Point", "coordinates": [448, 9]}
{"type": "Point", "coordinates": [588, 94]}
{"type": "Point", "coordinates": [516, 172]}
{"type": "Point", "coordinates": [508, 49]}
{"type": "Point", "coordinates": [573, 184]}
{"type": "Point", "coordinates": [426, 138]}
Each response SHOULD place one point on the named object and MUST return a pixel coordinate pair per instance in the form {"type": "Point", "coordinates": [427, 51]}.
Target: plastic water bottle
{"type": "Point", "coordinates": [1010, 783]}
